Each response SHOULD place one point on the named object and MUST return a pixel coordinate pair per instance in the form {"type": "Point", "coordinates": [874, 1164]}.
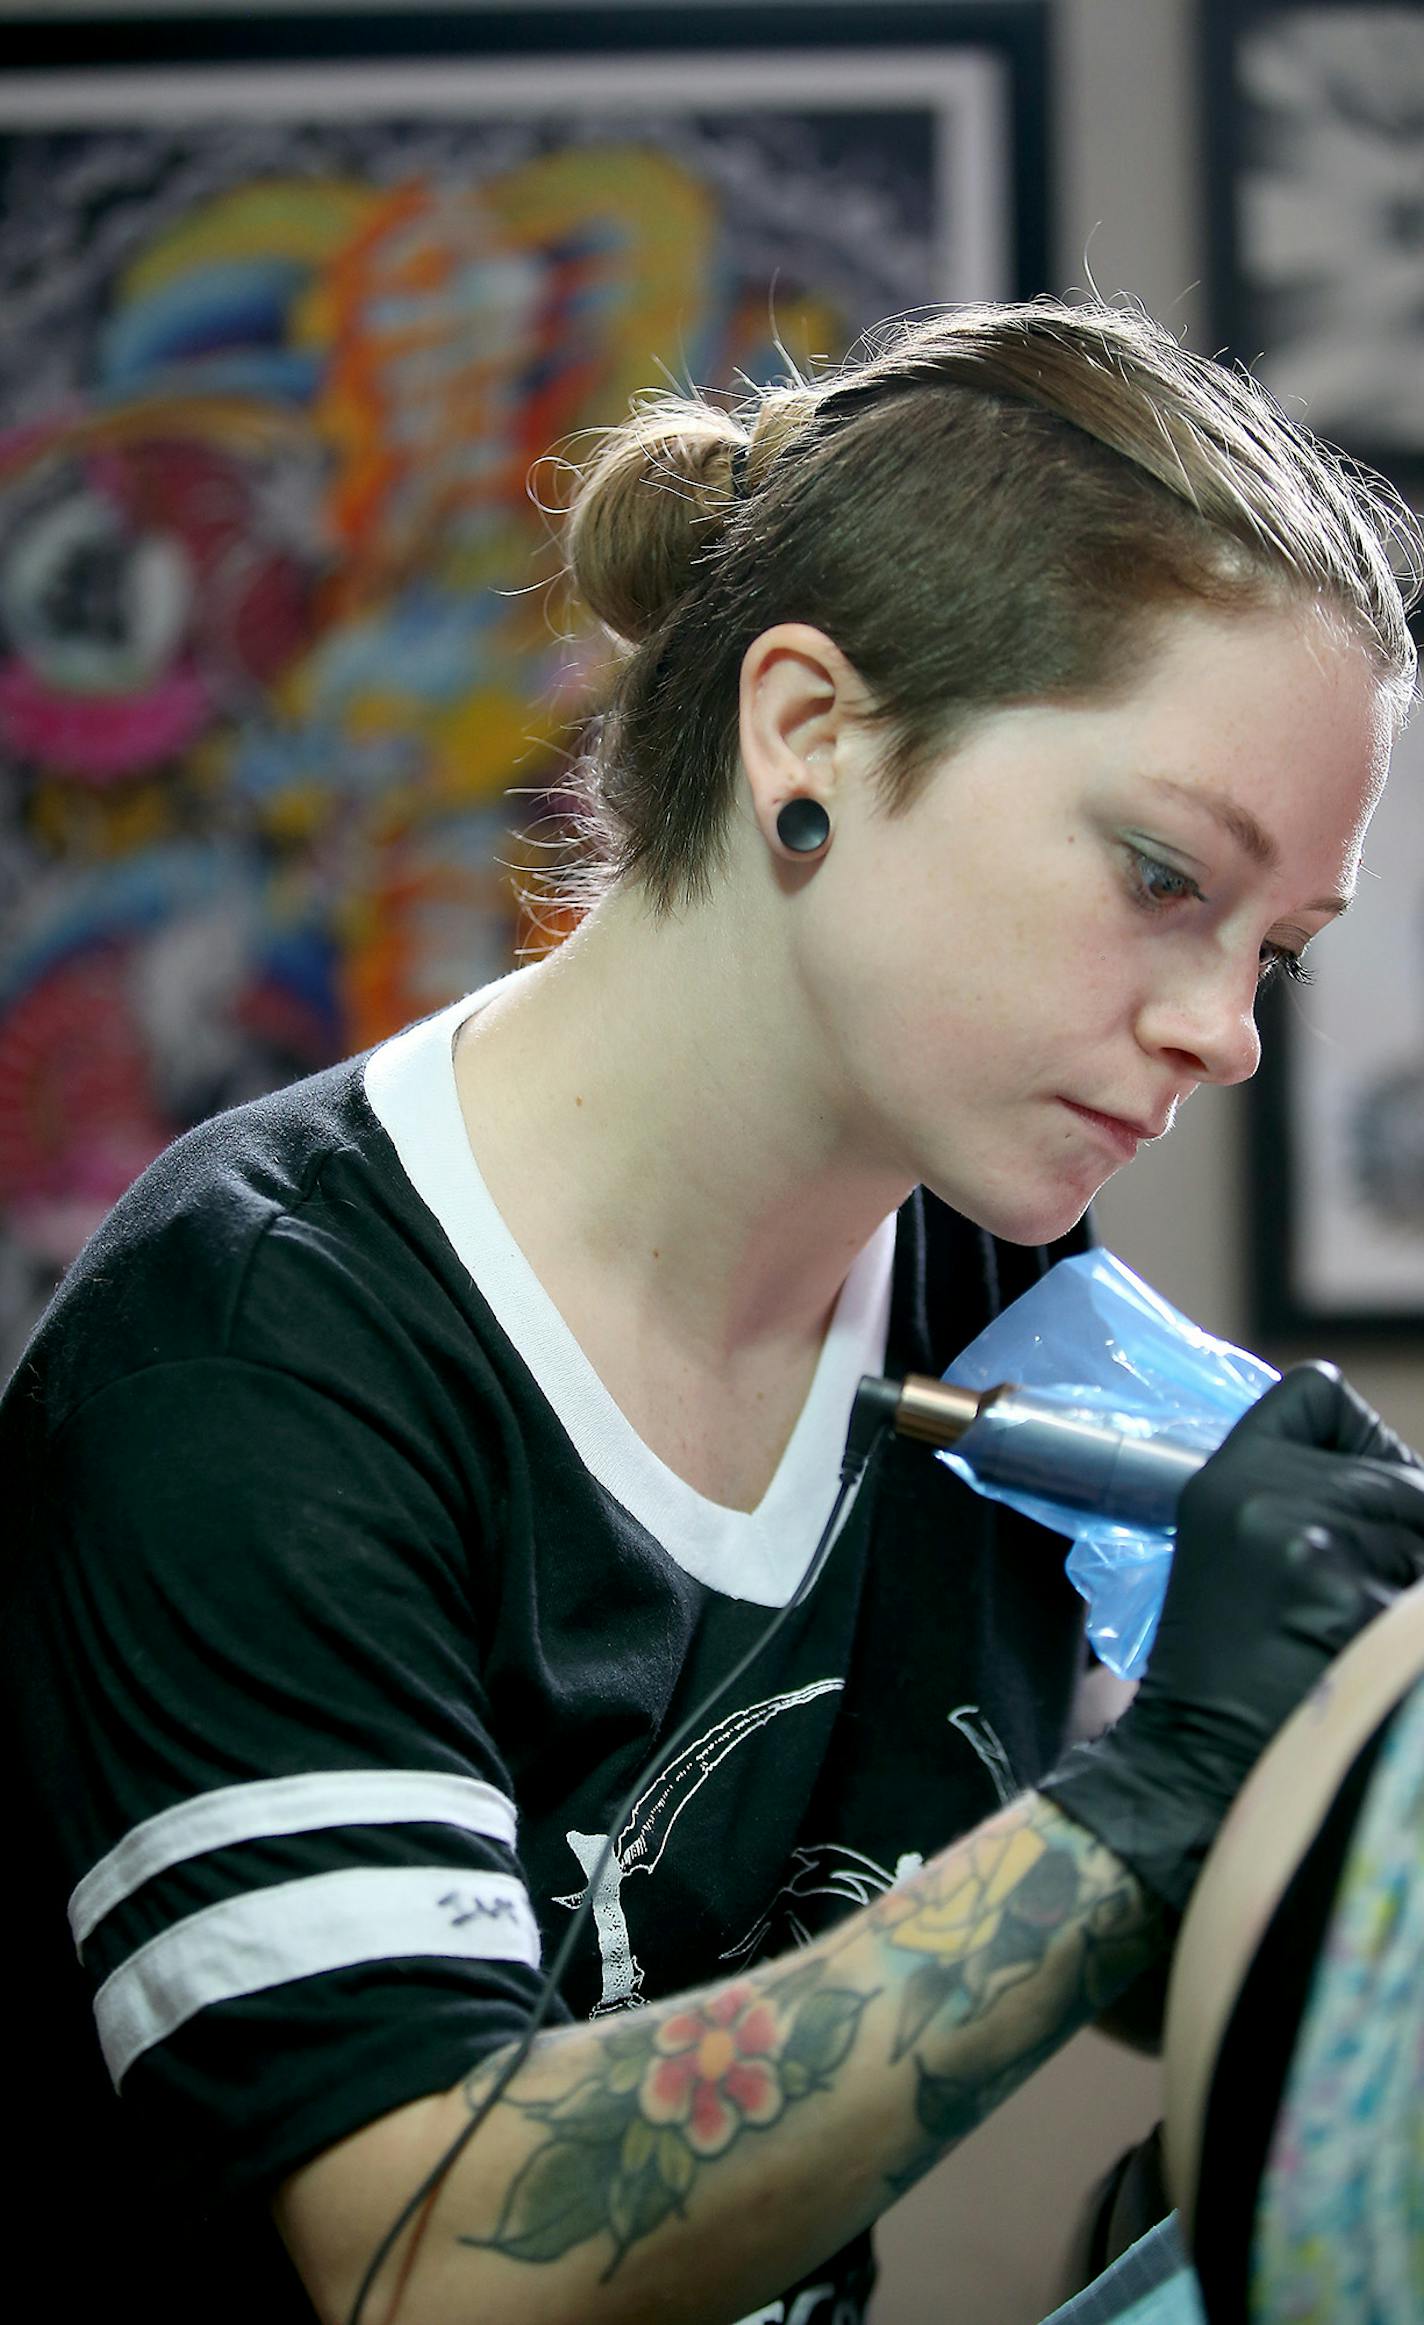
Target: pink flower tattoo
{"type": "Point", "coordinates": [714, 2069]}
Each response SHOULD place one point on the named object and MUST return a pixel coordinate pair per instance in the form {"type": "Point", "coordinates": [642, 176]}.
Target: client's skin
{"type": "Point", "coordinates": [691, 1123]}
{"type": "Point", "coordinates": [1268, 1832]}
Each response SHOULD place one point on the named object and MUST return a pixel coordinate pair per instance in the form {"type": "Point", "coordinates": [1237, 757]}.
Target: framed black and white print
{"type": "Point", "coordinates": [1338, 1115]}
{"type": "Point", "coordinates": [292, 303]}
{"type": "Point", "coordinates": [1314, 113]}
{"type": "Point", "coordinates": [1315, 137]}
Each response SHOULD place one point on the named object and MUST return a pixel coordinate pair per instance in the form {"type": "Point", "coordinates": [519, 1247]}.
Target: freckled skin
{"type": "Point", "coordinates": [989, 952]}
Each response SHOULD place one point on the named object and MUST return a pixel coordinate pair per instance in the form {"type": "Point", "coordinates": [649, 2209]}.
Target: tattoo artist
{"type": "Point", "coordinates": [414, 1452]}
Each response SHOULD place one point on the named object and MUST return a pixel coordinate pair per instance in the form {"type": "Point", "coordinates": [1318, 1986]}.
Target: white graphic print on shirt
{"type": "Point", "coordinates": [824, 1870]}
{"type": "Point", "coordinates": [982, 1740]}
{"type": "Point", "coordinates": [644, 1837]}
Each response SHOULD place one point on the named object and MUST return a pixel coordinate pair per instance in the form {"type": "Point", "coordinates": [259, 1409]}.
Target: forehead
{"type": "Point", "coordinates": [1265, 718]}
{"type": "Point", "coordinates": [1256, 742]}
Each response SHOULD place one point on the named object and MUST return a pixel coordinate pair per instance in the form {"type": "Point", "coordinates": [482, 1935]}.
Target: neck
{"type": "Point", "coordinates": [646, 1103]}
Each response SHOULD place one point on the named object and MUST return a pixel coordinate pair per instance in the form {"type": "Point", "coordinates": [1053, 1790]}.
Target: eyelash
{"type": "Point", "coordinates": [1276, 960]}
{"type": "Point", "coordinates": [1279, 961]}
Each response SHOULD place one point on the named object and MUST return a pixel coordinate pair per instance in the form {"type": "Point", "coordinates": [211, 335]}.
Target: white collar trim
{"type": "Point", "coordinates": [758, 1555]}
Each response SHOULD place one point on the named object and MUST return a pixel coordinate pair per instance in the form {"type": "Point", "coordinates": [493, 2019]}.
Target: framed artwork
{"type": "Point", "coordinates": [292, 305]}
{"type": "Point", "coordinates": [1338, 1117]}
{"type": "Point", "coordinates": [1314, 112]}
{"type": "Point", "coordinates": [1315, 120]}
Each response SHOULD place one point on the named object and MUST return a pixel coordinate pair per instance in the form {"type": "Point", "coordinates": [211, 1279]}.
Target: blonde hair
{"type": "Point", "coordinates": [996, 504]}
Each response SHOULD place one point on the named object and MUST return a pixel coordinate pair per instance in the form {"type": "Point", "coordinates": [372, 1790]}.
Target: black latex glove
{"type": "Point", "coordinates": [1296, 1533]}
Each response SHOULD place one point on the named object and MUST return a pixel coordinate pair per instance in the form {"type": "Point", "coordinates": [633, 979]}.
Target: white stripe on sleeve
{"type": "Point", "coordinates": [285, 1804]}
{"type": "Point", "coordinates": [298, 1929]}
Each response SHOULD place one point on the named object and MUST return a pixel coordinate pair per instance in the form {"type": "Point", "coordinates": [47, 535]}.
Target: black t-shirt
{"type": "Point", "coordinates": [343, 1609]}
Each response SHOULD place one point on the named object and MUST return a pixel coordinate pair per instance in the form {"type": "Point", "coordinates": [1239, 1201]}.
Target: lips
{"type": "Point", "coordinates": [1120, 1129]}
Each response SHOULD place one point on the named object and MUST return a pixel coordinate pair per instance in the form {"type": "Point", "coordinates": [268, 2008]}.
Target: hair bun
{"type": "Point", "coordinates": [645, 507]}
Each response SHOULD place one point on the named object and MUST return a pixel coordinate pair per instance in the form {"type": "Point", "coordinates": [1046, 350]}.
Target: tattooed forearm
{"type": "Point", "coordinates": [925, 2010]}
{"type": "Point", "coordinates": [985, 1925]}
{"type": "Point", "coordinates": [666, 2094]}
{"type": "Point", "coordinates": [982, 1922]}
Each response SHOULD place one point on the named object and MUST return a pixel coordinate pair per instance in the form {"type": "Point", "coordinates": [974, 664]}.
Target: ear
{"type": "Point", "coordinates": [801, 706]}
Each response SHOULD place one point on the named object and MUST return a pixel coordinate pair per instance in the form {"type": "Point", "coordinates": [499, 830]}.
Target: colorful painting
{"type": "Point", "coordinates": [276, 641]}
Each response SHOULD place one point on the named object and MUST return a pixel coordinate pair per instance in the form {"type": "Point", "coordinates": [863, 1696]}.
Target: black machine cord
{"type": "Point", "coordinates": [870, 1425]}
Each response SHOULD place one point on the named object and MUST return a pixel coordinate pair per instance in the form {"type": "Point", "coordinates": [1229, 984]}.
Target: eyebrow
{"type": "Point", "coordinates": [1250, 837]}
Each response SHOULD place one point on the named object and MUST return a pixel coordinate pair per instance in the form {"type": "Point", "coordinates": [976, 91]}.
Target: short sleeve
{"type": "Point", "coordinates": [247, 1676]}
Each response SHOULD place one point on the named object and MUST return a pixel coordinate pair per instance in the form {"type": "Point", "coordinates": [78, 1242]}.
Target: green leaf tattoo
{"type": "Point", "coordinates": [670, 2090]}
{"type": "Point", "coordinates": [559, 2199]}
{"type": "Point", "coordinates": [984, 1928]}
{"type": "Point", "coordinates": [669, 2095]}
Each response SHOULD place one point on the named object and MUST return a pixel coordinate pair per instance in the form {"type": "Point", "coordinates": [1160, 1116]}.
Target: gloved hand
{"type": "Point", "coordinates": [1298, 1531]}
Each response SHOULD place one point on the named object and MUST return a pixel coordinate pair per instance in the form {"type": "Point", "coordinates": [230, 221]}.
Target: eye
{"type": "Point", "coordinates": [1280, 961]}
{"type": "Point", "coordinates": [1155, 885]}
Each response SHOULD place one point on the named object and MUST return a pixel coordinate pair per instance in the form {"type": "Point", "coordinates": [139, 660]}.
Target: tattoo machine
{"type": "Point", "coordinates": [1087, 1405]}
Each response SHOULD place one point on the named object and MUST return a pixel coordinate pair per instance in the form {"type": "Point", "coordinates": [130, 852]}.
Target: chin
{"type": "Point", "coordinates": [1023, 1215]}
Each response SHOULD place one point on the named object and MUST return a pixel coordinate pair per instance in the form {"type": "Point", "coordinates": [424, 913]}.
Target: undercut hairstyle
{"type": "Point", "coordinates": [995, 505]}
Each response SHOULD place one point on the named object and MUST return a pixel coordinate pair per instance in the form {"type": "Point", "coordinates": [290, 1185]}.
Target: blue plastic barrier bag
{"type": "Point", "coordinates": [1093, 1338]}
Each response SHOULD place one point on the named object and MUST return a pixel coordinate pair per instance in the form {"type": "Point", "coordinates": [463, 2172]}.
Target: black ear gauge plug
{"type": "Point", "coordinates": [803, 825]}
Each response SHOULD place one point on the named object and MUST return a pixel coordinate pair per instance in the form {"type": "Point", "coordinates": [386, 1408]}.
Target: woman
{"type": "Point", "coordinates": [414, 1451]}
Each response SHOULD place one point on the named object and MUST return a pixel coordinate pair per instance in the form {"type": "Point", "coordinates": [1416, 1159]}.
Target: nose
{"type": "Point", "coordinates": [1208, 1033]}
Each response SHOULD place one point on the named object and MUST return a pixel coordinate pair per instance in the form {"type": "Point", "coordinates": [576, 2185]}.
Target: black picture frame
{"type": "Point", "coordinates": [110, 121]}
{"type": "Point", "coordinates": [1015, 32]}
{"type": "Point", "coordinates": [1337, 1112]}
{"type": "Point", "coordinates": [1314, 148]}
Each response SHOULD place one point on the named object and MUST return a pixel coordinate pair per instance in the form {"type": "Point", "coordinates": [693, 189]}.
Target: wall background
{"type": "Point", "coordinates": [983, 2241]}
